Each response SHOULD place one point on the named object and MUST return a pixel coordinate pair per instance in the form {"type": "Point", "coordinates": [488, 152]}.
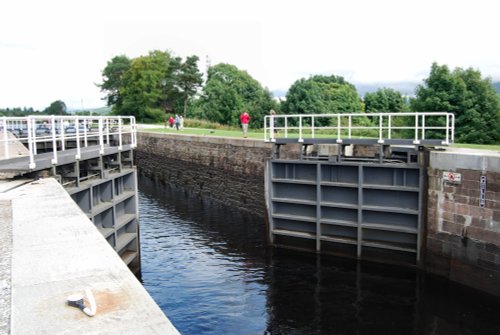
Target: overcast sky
{"type": "Point", "coordinates": [56, 50]}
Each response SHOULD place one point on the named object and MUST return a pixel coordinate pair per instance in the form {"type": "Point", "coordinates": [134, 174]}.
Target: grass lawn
{"type": "Point", "coordinates": [208, 132]}
{"type": "Point", "coordinates": [260, 135]}
{"type": "Point", "coordinates": [494, 147]}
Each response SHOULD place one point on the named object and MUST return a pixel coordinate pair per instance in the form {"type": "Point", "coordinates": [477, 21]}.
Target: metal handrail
{"type": "Point", "coordinates": [55, 129]}
{"type": "Point", "coordinates": [343, 126]}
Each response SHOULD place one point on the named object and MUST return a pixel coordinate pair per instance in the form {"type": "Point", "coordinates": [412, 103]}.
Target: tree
{"type": "Point", "coordinates": [113, 79]}
{"type": "Point", "coordinates": [58, 107]}
{"type": "Point", "coordinates": [230, 91]}
{"type": "Point", "coordinates": [322, 95]}
{"type": "Point", "coordinates": [142, 92]}
{"type": "Point", "coordinates": [189, 80]}
{"type": "Point", "coordinates": [472, 99]}
{"type": "Point", "coordinates": [384, 100]}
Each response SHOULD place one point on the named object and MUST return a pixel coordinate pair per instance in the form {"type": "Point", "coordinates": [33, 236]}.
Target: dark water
{"type": "Point", "coordinates": [210, 271]}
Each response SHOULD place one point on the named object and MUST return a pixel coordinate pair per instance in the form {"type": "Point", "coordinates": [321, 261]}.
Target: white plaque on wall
{"type": "Point", "coordinates": [452, 177]}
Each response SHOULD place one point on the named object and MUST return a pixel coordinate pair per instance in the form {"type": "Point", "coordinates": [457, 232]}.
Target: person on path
{"type": "Point", "coordinates": [171, 121]}
{"type": "Point", "coordinates": [177, 122]}
{"type": "Point", "coordinates": [244, 118]}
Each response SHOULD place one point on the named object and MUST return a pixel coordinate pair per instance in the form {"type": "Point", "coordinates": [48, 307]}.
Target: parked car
{"type": "Point", "coordinates": [42, 129]}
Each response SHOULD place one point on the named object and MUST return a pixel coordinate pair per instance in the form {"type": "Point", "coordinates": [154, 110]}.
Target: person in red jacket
{"type": "Point", "coordinates": [244, 118]}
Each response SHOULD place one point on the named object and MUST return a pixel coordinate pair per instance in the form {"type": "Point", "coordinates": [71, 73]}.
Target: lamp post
{"type": "Point", "coordinates": [164, 84]}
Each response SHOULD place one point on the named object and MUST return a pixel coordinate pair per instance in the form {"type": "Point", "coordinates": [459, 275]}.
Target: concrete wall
{"type": "Point", "coordinates": [229, 170]}
{"type": "Point", "coordinates": [463, 238]}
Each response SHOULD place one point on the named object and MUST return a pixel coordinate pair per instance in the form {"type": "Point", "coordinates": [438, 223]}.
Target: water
{"type": "Point", "coordinates": [210, 271]}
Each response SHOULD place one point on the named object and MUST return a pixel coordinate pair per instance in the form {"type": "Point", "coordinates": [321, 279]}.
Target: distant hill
{"type": "Point", "coordinates": [497, 87]}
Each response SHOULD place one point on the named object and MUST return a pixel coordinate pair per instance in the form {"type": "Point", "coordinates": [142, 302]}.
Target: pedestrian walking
{"type": "Point", "coordinates": [244, 118]}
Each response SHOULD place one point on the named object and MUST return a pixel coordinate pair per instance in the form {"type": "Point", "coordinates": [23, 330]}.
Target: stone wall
{"type": "Point", "coordinates": [462, 240]}
{"type": "Point", "coordinates": [463, 237]}
{"type": "Point", "coordinates": [228, 170]}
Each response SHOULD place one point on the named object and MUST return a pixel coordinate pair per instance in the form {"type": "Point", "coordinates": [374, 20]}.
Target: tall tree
{"type": "Point", "coordinates": [321, 95]}
{"type": "Point", "coordinates": [189, 80]}
{"type": "Point", "coordinates": [472, 99]}
{"type": "Point", "coordinates": [142, 92]}
{"type": "Point", "coordinates": [113, 79]}
{"type": "Point", "coordinates": [57, 107]}
{"type": "Point", "coordinates": [384, 100]}
{"type": "Point", "coordinates": [230, 91]}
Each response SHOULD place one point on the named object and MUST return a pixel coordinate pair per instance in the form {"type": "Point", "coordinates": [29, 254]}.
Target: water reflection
{"type": "Point", "coordinates": [208, 268]}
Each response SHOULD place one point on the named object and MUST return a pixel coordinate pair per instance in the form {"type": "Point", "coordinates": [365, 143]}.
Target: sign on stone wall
{"type": "Point", "coordinates": [452, 177]}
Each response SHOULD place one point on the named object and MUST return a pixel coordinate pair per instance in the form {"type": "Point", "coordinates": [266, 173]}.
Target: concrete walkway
{"type": "Point", "coordinates": [56, 252]}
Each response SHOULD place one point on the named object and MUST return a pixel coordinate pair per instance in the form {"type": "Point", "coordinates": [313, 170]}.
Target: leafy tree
{"type": "Point", "coordinates": [150, 86]}
{"type": "Point", "coordinates": [171, 91]}
{"type": "Point", "coordinates": [472, 99]}
{"type": "Point", "coordinates": [230, 91]}
{"type": "Point", "coordinates": [384, 100]}
{"type": "Point", "coordinates": [322, 95]}
{"type": "Point", "coordinates": [113, 79]}
{"type": "Point", "coordinates": [142, 92]}
{"type": "Point", "coordinates": [58, 107]}
{"type": "Point", "coordinates": [189, 80]}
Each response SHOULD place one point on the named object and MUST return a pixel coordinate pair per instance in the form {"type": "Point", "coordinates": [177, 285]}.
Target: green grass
{"type": "Point", "coordinates": [477, 146]}
{"type": "Point", "coordinates": [208, 132]}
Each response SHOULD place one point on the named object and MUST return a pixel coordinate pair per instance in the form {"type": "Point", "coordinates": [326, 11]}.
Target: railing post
{"type": "Point", "coordinates": [134, 132]}
{"type": "Point", "coordinates": [453, 128]}
{"type": "Point", "coordinates": [389, 126]}
{"type": "Point", "coordinates": [300, 129]}
{"type": "Point", "coordinates": [54, 140]}
{"type": "Point", "coordinates": [272, 121]}
{"type": "Point", "coordinates": [63, 132]}
{"type": "Point", "coordinates": [78, 155]}
{"type": "Point", "coordinates": [32, 164]}
{"type": "Point", "coordinates": [33, 130]}
{"type": "Point", "coordinates": [423, 127]}
{"type": "Point", "coordinates": [339, 140]}
{"type": "Point", "coordinates": [312, 126]}
{"type": "Point", "coordinates": [447, 128]}
{"type": "Point", "coordinates": [265, 129]}
{"type": "Point", "coordinates": [286, 126]}
{"type": "Point", "coordinates": [101, 137]}
{"type": "Point", "coordinates": [120, 133]}
{"type": "Point", "coordinates": [350, 127]}
{"type": "Point", "coordinates": [107, 131]}
{"type": "Point", "coordinates": [416, 141]}
{"type": "Point", "coordinates": [380, 128]}
{"type": "Point", "coordinates": [85, 132]}
{"type": "Point", "coordinates": [5, 138]}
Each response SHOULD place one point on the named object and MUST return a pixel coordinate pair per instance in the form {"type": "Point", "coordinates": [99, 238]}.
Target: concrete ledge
{"type": "Point", "coordinates": [57, 252]}
{"type": "Point", "coordinates": [456, 158]}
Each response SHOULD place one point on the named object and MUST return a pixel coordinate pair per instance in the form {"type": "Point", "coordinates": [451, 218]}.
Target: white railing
{"type": "Point", "coordinates": [57, 130]}
{"type": "Point", "coordinates": [415, 127]}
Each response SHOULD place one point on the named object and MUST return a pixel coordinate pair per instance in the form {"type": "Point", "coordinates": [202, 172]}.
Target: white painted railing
{"type": "Point", "coordinates": [416, 127]}
{"type": "Point", "coordinates": [54, 129]}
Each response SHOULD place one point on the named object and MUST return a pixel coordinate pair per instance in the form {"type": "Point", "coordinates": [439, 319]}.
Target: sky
{"type": "Point", "coordinates": [56, 49]}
